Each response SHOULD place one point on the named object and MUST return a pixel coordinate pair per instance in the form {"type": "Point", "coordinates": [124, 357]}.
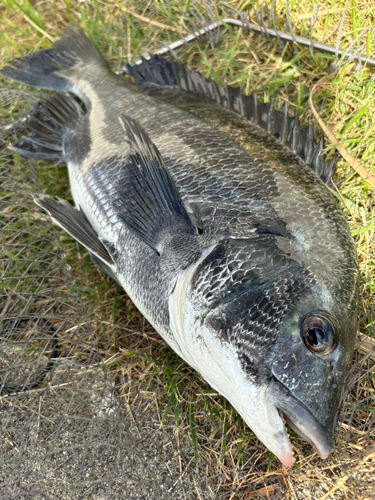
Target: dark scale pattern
{"type": "Point", "coordinates": [254, 285]}
{"type": "Point", "coordinates": [227, 207]}
{"type": "Point", "coordinates": [236, 265]}
{"type": "Point", "coordinates": [266, 182]}
{"type": "Point", "coordinates": [256, 329]}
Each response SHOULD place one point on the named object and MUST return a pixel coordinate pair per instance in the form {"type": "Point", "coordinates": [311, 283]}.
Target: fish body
{"type": "Point", "coordinates": [227, 242]}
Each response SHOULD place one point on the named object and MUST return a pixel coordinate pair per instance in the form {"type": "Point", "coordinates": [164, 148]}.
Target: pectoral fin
{"type": "Point", "coordinates": [148, 202]}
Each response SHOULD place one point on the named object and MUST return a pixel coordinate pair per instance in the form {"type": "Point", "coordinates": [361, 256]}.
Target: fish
{"type": "Point", "coordinates": [212, 211]}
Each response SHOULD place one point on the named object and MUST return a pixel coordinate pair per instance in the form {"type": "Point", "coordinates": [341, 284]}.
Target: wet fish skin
{"type": "Point", "coordinates": [262, 246]}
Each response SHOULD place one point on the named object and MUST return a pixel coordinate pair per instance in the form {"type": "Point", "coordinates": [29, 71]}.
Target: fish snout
{"type": "Point", "coordinates": [300, 419]}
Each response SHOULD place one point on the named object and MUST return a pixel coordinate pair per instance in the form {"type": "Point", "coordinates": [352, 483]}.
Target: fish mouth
{"type": "Point", "coordinates": [300, 419]}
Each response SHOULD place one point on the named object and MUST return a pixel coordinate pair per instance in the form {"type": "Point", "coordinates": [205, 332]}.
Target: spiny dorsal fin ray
{"type": "Point", "coordinates": [283, 127]}
{"type": "Point", "coordinates": [149, 203]}
{"type": "Point", "coordinates": [75, 223]}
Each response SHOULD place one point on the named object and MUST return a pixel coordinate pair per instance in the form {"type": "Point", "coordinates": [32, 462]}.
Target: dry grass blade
{"type": "Point", "coordinates": [365, 174]}
{"type": "Point", "coordinates": [153, 23]}
{"type": "Point", "coordinates": [366, 345]}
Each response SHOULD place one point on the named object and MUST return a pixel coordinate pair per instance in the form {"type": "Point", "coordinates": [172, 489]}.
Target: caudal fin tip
{"type": "Point", "coordinates": [4, 71]}
{"type": "Point", "coordinates": [9, 71]}
{"type": "Point", "coordinates": [52, 68]}
{"type": "Point", "coordinates": [72, 28]}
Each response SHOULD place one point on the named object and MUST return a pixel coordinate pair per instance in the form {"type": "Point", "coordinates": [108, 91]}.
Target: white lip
{"type": "Point", "coordinates": [300, 419]}
{"type": "Point", "coordinates": [322, 450]}
{"type": "Point", "coordinates": [265, 420]}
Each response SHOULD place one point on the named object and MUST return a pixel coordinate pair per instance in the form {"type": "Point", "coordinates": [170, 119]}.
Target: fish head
{"type": "Point", "coordinates": [309, 363]}
{"type": "Point", "coordinates": [272, 338]}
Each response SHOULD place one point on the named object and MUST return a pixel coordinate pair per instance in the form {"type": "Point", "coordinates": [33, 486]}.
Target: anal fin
{"type": "Point", "coordinates": [75, 223]}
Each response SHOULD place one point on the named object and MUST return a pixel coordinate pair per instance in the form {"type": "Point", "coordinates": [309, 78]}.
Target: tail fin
{"type": "Point", "coordinates": [59, 67]}
{"type": "Point", "coordinates": [46, 124]}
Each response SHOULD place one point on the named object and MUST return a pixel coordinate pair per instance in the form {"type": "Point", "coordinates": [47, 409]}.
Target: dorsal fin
{"type": "Point", "coordinates": [279, 123]}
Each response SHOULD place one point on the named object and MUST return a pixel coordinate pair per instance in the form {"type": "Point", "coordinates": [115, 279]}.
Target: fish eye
{"type": "Point", "coordinates": [318, 334]}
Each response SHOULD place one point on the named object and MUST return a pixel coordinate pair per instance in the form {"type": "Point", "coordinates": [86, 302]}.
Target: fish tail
{"type": "Point", "coordinates": [46, 124]}
{"type": "Point", "coordinates": [70, 59]}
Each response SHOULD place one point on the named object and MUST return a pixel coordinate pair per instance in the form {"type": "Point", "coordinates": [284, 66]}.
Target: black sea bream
{"type": "Point", "coordinates": [228, 243]}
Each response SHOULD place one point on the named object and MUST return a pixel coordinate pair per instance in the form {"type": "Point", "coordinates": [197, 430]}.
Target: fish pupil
{"type": "Point", "coordinates": [315, 337]}
{"type": "Point", "coordinates": [318, 334]}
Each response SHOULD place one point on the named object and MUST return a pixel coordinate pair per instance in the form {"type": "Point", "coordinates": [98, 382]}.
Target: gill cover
{"type": "Point", "coordinates": [200, 344]}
